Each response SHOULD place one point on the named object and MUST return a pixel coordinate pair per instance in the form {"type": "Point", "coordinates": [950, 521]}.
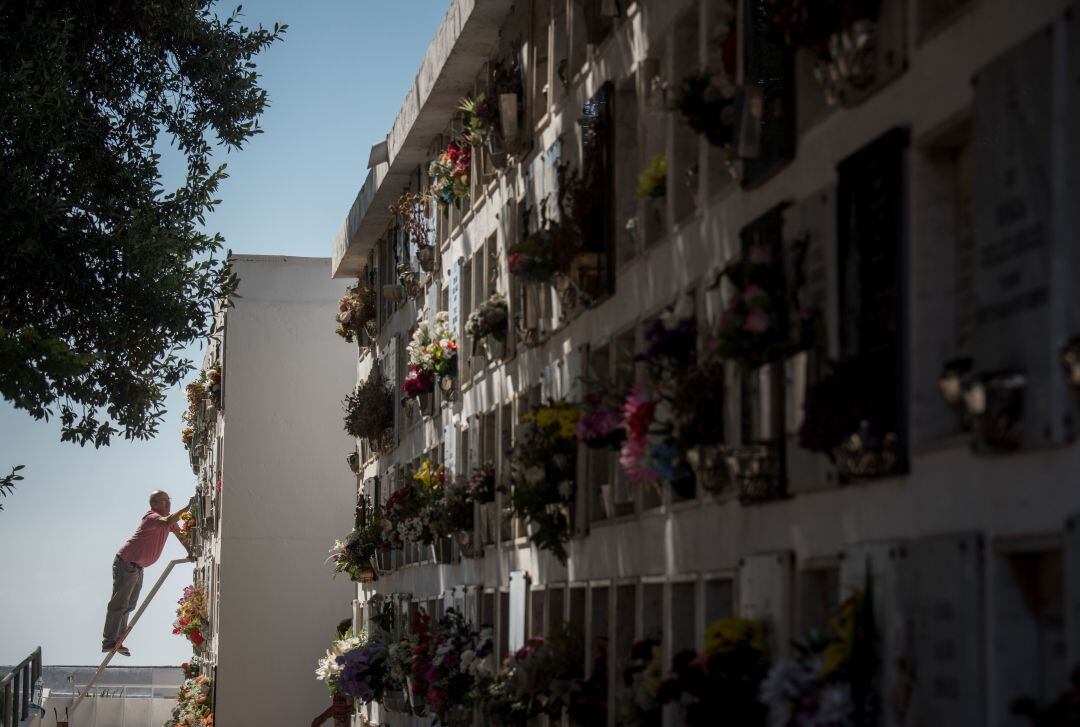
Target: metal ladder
{"type": "Point", "coordinates": [131, 624]}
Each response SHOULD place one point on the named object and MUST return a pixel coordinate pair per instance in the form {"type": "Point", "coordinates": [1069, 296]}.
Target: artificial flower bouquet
{"type": "Point", "coordinates": [430, 475]}
{"type": "Point", "coordinates": [707, 104]}
{"type": "Point", "coordinates": [480, 116]}
{"type": "Point", "coordinates": [643, 678]}
{"type": "Point", "coordinates": [417, 381]}
{"type": "Point", "coordinates": [723, 679]}
{"type": "Point", "coordinates": [544, 677]}
{"type": "Point", "coordinates": [671, 342]}
{"type": "Point", "coordinates": [533, 258]}
{"type": "Point", "coordinates": [454, 514]}
{"type": "Point", "coordinates": [638, 414]}
{"type": "Point", "coordinates": [842, 36]}
{"type": "Point", "coordinates": [652, 183]}
{"type": "Point", "coordinates": [328, 668]}
{"type": "Point", "coordinates": [356, 311]}
{"type": "Point", "coordinates": [543, 468]}
{"type": "Point", "coordinates": [489, 319]}
{"type": "Point", "coordinates": [449, 173]}
{"type": "Point", "coordinates": [407, 516]}
{"type": "Point", "coordinates": [481, 485]}
{"type": "Point", "coordinates": [191, 616]}
{"type": "Point", "coordinates": [186, 525]}
{"type": "Point", "coordinates": [363, 670]}
{"type": "Point", "coordinates": [412, 512]}
{"type": "Point", "coordinates": [830, 678]}
{"type": "Point", "coordinates": [355, 554]}
{"type": "Point", "coordinates": [194, 704]}
{"type": "Point", "coordinates": [192, 666]}
{"type": "Point", "coordinates": [213, 385]}
{"type": "Point", "coordinates": [755, 325]}
{"type": "Point", "coordinates": [432, 352]}
{"type": "Point", "coordinates": [601, 425]}
{"type": "Point", "coordinates": [369, 411]}
{"type": "Point", "coordinates": [449, 662]}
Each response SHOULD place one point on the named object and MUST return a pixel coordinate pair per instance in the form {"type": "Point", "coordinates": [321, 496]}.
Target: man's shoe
{"type": "Point", "coordinates": [122, 650]}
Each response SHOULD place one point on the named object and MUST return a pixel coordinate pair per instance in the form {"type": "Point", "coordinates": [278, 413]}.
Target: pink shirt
{"type": "Point", "coordinates": [145, 546]}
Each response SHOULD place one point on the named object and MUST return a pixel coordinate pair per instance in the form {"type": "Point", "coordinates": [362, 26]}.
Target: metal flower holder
{"type": "Point", "coordinates": [996, 401]}
{"type": "Point", "coordinates": [395, 700]}
{"type": "Point", "coordinates": [863, 456]}
{"type": "Point", "coordinates": [852, 61]}
{"type": "Point", "coordinates": [755, 471]}
{"type": "Point", "coordinates": [709, 466]}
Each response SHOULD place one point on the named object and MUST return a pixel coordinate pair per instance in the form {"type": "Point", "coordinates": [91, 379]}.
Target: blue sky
{"type": "Point", "coordinates": [335, 84]}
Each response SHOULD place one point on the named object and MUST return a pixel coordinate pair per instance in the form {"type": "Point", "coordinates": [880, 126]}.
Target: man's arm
{"type": "Point", "coordinates": [187, 547]}
{"type": "Point", "coordinates": [168, 522]}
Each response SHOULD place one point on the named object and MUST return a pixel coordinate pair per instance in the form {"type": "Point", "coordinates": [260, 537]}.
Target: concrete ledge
{"type": "Point", "coordinates": [461, 46]}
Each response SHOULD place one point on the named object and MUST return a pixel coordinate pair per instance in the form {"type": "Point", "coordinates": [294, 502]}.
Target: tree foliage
{"type": "Point", "coordinates": [105, 274]}
{"type": "Point", "coordinates": [7, 482]}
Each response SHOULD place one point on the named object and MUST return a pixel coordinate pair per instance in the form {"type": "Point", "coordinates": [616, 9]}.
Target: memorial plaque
{"type": "Point", "coordinates": [390, 361]}
{"type": "Point", "coordinates": [572, 385]}
{"type": "Point", "coordinates": [943, 595]}
{"type": "Point", "coordinates": [1019, 241]}
{"type": "Point", "coordinates": [550, 192]}
{"type": "Point", "coordinates": [809, 267]}
{"type": "Point", "coordinates": [471, 604]}
{"type": "Point", "coordinates": [474, 435]}
{"type": "Point", "coordinates": [885, 561]}
{"type": "Point", "coordinates": [519, 587]}
{"type": "Point", "coordinates": [1072, 590]}
{"type": "Point", "coordinates": [769, 71]}
{"type": "Point", "coordinates": [765, 594]}
{"type": "Point", "coordinates": [453, 304]}
{"type": "Point", "coordinates": [450, 445]}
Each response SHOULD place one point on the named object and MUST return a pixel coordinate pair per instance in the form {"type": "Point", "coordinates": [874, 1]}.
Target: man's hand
{"type": "Point", "coordinates": [176, 515]}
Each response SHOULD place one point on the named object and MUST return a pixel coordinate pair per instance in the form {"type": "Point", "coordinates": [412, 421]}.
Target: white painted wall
{"type": "Point", "coordinates": [286, 491]}
{"type": "Point", "coordinates": [948, 492]}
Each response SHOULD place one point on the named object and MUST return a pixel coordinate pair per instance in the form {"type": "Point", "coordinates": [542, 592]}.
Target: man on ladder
{"type": "Point", "coordinates": [141, 550]}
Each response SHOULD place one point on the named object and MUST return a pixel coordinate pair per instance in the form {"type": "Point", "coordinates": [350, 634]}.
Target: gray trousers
{"type": "Point", "coordinates": [126, 583]}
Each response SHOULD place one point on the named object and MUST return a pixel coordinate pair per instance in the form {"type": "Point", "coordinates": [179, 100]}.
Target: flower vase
{"type": "Point", "coordinates": [707, 462]}
{"type": "Point", "coordinates": [426, 401]}
{"type": "Point", "coordinates": [466, 544]}
{"type": "Point", "coordinates": [755, 471]}
{"type": "Point", "coordinates": [367, 575]}
{"type": "Point", "coordinates": [508, 117]}
{"type": "Point", "coordinates": [448, 385]}
{"type": "Point", "coordinates": [426, 257]}
{"type": "Point", "coordinates": [353, 460]}
{"type": "Point", "coordinates": [607, 497]}
{"type": "Point", "coordinates": [394, 700]}
{"type": "Point", "coordinates": [381, 561]}
{"type": "Point", "coordinates": [416, 701]}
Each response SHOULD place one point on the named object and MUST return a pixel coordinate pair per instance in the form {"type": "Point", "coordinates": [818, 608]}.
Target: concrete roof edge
{"type": "Point", "coordinates": [446, 56]}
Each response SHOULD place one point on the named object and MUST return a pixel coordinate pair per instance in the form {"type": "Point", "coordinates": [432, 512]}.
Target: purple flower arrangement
{"type": "Point", "coordinates": [362, 672]}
